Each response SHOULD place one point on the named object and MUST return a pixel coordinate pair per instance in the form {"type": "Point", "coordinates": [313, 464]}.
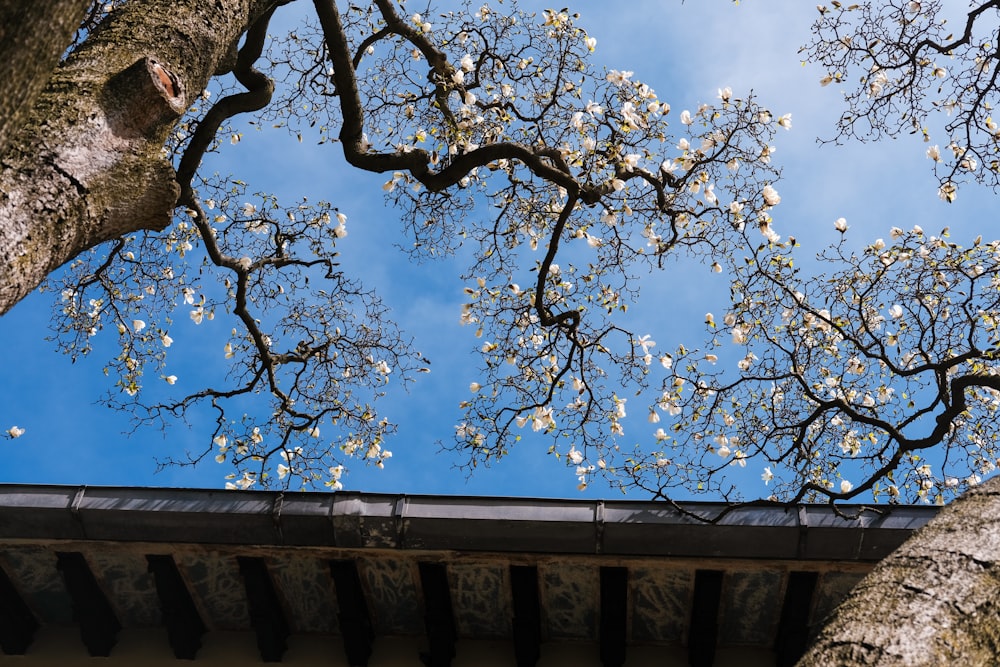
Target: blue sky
{"type": "Point", "coordinates": [686, 52]}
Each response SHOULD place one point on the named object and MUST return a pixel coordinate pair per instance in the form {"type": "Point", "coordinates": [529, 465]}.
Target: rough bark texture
{"type": "Point", "coordinates": [87, 167]}
{"type": "Point", "coordinates": [33, 35]}
{"type": "Point", "coordinates": [935, 601]}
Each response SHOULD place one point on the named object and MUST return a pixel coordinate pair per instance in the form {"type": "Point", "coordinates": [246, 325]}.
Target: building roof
{"type": "Point", "coordinates": [442, 568]}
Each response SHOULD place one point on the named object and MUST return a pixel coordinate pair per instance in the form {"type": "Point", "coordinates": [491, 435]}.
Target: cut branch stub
{"type": "Point", "coordinates": [142, 97]}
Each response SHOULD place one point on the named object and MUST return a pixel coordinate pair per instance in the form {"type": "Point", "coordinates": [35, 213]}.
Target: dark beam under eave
{"type": "Point", "coordinates": [184, 625]}
{"type": "Point", "coordinates": [614, 615]}
{"type": "Point", "coordinates": [17, 623]}
{"type": "Point", "coordinates": [355, 621]}
{"type": "Point", "coordinates": [527, 621]}
{"type": "Point", "coordinates": [703, 632]}
{"type": "Point", "coordinates": [266, 615]}
{"type": "Point", "coordinates": [793, 628]}
{"type": "Point", "coordinates": [99, 625]}
{"type": "Point", "coordinates": [438, 615]}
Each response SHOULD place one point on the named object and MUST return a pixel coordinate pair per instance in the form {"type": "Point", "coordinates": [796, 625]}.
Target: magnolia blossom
{"type": "Point", "coordinates": [633, 119]}
{"type": "Point", "coordinates": [646, 345]}
{"type": "Point", "coordinates": [15, 432]}
{"type": "Point", "coordinates": [243, 483]}
{"type": "Point", "coordinates": [138, 325]}
{"type": "Point", "coordinates": [166, 340]}
{"type": "Point", "coordinates": [840, 225]}
{"type": "Point", "coordinates": [771, 196]}
{"type": "Point", "coordinates": [767, 475]}
{"type": "Point", "coordinates": [170, 379]}
{"type": "Point", "coordinates": [845, 486]}
{"type": "Point", "coordinates": [785, 121]}
{"type": "Point", "coordinates": [619, 78]}
{"type": "Point", "coordinates": [746, 362]}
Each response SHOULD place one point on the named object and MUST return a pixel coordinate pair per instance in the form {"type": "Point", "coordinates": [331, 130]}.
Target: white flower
{"type": "Point", "coordinates": [15, 432]}
{"type": "Point", "coordinates": [840, 225]}
{"type": "Point", "coordinates": [767, 475]}
{"type": "Point", "coordinates": [686, 117]}
{"type": "Point", "coordinates": [845, 486]}
{"type": "Point", "coordinates": [475, 387]}
{"type": "Point", "coordinates": [771, 196]}
{"type": "Point", "coordinates": [466, 63]}
{"type": "Point", "coordinates": [170, 379]}
{"type": "Point", "coordinates": [166, 340]}
{"type": "Point", "coordinates": [948, 192]}
{"type": "Point", "coordinates": [896, 311]}
{"type": "Point", "coordinates": [619, 78]}
{"type": "Point", "coordinates": [138, 325]}
{"type": "Point", "coordinates": [785, 121]}
{"type": "Point", "coordinates": [934, 153]}
{"type": "Point", "coordinates": [725, 94]}
{"type": "Point", "coordinates": [574, 455]}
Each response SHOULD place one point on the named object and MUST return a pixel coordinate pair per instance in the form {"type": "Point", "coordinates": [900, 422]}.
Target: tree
{"type": "Point", "coordinates": [479, 108]}
{"type": "Point", "coordinates": [495, 130]}
{"type": "Point", "coordinates": [937, 589]}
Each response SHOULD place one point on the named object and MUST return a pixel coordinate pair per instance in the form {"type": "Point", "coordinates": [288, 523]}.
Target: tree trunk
{"type": "Point", "coordinates": [87, 166]}
{"type": "Point", "coordinates": [934, 601]}
{"type": "Point", "coordinates": [33, 35]}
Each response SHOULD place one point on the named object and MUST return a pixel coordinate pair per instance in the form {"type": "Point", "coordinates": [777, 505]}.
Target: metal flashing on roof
{"type": "Point", "coordinates": [463, 523]}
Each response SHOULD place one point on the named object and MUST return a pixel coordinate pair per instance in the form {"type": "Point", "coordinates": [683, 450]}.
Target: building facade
{"type": "Point", "coordinates": [138, 576]}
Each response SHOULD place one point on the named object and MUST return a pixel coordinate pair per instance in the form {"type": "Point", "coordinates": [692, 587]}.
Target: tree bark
{"type": "Point", "coordinates": [33, 35]}
{"type": "Point", "coordinates": [87, 166]}
{"type": "Point", "coordinates": [934, 601]}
